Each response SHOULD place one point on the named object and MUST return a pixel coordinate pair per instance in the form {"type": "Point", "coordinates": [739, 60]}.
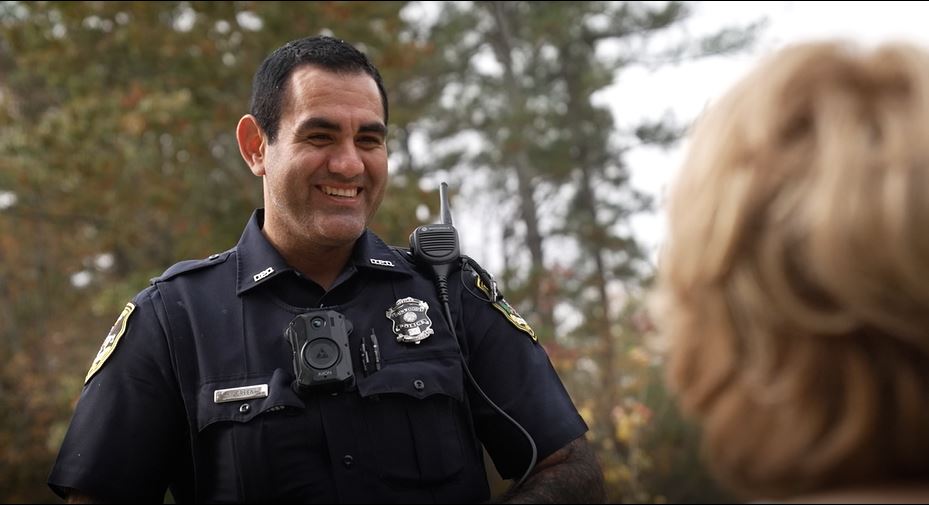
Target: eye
{"type": "Point", "coordinates": [369, 141]}
{"type": "Point", "coordinates": [319, 138]}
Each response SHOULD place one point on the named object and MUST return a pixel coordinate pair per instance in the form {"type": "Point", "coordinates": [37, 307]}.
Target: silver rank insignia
{"type": "Point", "coordinates": [411, 323]}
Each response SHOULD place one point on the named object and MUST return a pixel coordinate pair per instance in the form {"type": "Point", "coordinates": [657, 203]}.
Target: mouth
{"type": "Point", "coordinates": [347, 193]}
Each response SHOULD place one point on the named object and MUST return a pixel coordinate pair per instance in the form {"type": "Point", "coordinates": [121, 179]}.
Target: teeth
{"type": "Point", "coordinates": [346, 192]}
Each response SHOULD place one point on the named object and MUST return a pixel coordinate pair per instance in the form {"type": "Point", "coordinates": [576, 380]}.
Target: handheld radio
{"type": "Point", "coordinates": [436, 245]}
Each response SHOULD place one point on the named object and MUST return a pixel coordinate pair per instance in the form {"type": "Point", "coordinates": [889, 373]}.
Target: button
{"type": "Point", "coordinates": [419, 385]}
{"type": "Point", "coordinates": [244, 408]}
{"type": "Point", "coordinates": [348, 461]}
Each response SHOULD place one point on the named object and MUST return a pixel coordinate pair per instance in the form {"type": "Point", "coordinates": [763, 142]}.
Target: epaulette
{"type": "Point", "coordinates": [403, 252]}
{"type": "Point", "coordinates": [484, 280]}
{"type": "Point", "coordinates": [407, 255]}
{"type": "Point", "coordinates": [486, 283]}
{"type": "Point", "coordinates": [186, 266]}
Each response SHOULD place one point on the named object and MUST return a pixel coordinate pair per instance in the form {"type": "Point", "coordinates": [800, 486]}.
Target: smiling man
{"type": "Point", "coordinates": [324, 169]}
{"type": "Point", "coordinates": [312, 362]}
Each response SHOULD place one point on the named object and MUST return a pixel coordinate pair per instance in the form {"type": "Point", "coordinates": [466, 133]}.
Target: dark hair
{"type": "Point", "coordinates": [269, 87]}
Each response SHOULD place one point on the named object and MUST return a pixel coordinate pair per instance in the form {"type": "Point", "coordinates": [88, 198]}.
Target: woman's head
{"type": "Point", "coordinates": [794, 286]}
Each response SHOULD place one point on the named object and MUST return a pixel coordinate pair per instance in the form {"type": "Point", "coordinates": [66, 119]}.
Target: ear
{"type": "Point", "coordinates": [251, 143]}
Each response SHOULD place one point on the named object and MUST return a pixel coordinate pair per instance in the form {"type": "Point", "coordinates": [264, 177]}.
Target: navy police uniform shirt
{"type": "Point", "coordinates": [153, 413]}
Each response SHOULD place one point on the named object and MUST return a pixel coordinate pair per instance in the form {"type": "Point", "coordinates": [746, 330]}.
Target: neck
{"type": "Point", "coordinates": [319, 263]}
{"type": "Point", "coordinates": [322, 265]}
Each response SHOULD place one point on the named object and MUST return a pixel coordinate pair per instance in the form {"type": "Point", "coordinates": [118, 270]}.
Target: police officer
{"type": "Point", "coordinates": [213, 383]}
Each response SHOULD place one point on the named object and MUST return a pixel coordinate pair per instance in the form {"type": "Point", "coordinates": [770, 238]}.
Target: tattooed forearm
{"type": "Point", "coordinates": [570, 475]}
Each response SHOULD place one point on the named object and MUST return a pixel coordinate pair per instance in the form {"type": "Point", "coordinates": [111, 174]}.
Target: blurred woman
{"type": "Point", "coordinates": [794, 286]}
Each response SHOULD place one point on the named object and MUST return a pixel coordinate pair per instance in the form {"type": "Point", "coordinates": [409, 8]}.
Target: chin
{"type": "Point", "coordinates": [343, 238]}
{"type": "Point", "coordinates": [340, 233]}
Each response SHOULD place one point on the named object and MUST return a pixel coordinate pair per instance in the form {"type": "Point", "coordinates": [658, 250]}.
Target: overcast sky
{"type": "Point", "coordinates": [686, 89]}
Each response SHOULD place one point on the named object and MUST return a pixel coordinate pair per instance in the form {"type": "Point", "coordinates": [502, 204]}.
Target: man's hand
{"type": "Point", "coordinates": [571, 474]}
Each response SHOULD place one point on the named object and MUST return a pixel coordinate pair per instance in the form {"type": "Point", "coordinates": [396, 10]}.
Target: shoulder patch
{"type": "Point", "coordinates": [512, 316]}
{"type": "Point", "coordinates": [109, 343]}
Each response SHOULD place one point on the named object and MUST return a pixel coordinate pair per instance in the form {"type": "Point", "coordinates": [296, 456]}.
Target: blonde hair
{"type": "Point", "coordinates": [794, 286]}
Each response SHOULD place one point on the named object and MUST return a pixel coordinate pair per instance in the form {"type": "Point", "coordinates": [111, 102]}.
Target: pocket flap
{"type": "Point", "coordinates": [418, 379]}
{"type": "Point", "coordinates": [249, 405]}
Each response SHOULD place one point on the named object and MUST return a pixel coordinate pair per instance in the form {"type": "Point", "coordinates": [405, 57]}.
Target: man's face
{"type": "Point", "coordinates": [326, 172]}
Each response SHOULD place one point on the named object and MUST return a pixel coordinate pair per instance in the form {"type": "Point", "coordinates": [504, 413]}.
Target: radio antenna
{"type": "Point", "coordinates": [444, 209]}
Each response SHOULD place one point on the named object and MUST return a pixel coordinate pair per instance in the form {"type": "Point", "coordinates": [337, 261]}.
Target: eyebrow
{"type": "Point", "coordinates": [322, 123]}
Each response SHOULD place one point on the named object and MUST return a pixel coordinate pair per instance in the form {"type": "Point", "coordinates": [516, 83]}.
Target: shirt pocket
{"type": "Point", "coordinates": [237, 439]}
{"type": "Point", "coordinates": [280, 396]}
{"type": "Point", "coordinates": [416, 420]}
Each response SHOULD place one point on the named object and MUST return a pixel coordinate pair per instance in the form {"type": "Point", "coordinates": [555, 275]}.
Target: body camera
{"type": "Point", "coordinates": [322, 361]}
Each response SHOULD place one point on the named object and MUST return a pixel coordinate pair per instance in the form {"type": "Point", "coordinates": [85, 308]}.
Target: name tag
{"type": "Point", "coordinates": [242, 393]}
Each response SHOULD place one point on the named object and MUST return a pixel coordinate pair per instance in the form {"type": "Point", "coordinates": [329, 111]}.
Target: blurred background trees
{"type": "Point", "coordinates": [118, 158]}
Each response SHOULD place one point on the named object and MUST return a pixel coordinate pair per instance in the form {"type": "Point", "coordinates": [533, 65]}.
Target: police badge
{"type": "Point", "coordinates": [410, 322]}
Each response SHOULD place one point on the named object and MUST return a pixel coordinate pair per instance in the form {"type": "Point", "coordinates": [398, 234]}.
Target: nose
{"type": "Point", "coordinates": [346, 161]}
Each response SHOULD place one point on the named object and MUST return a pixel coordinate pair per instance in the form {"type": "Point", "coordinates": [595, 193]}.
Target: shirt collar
{"type": "Point", "coordinates": [372, 253]}
{"type": "Point", "coordinates": [258, 261]}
